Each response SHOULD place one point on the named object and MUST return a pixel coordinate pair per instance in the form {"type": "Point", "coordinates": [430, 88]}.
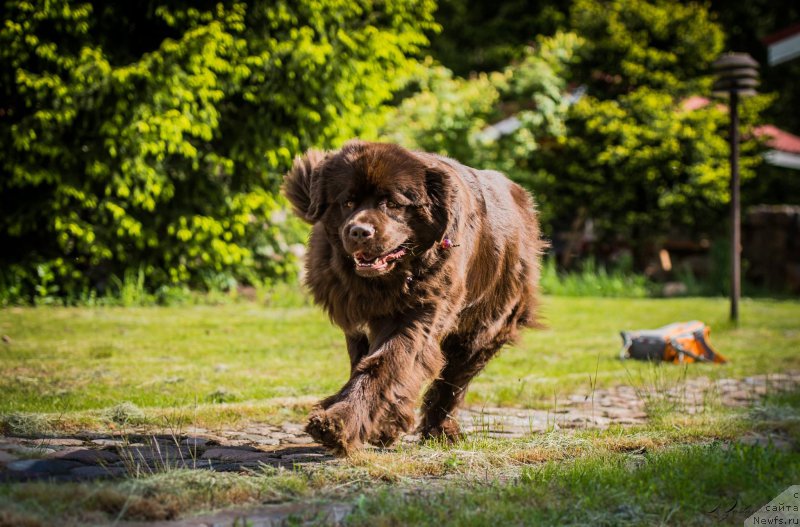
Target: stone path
{"type": "Point", "coordinates": [88, 456]}
{"type": "Point", "coordinates": [273, 515]}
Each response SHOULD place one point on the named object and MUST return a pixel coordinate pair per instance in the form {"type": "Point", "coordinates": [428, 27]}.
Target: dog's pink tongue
{"type": "Point", "coordinates": [398, 254]}
{"type": "Point", "coordinates": [377, 262]}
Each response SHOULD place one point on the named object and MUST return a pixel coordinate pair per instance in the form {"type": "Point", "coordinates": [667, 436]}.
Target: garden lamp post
{"type": "Point", "coordinates": [736, 76]}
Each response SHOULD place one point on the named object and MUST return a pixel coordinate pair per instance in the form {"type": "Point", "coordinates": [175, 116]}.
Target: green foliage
{"type": "Point", "coordinates": [663, 44]}
{"type": "Point", "coordinates": [486, 35]}
{"type": "Point", "coordinates": [634, 159]}
{"type": "Point", "coordinates": [159, 151]}
{"type": "Point", "coordinates": [746, 24]}
{"type": "Point", "coordinates": [621, 150]}
{"type": "Point", "coordinates": [640, 165]}
{"type": "Point", "coordinates": [635, 43]}
{"type": "Point", "coordinates": [593, 280]}
{"type": "Point", "coordinates": [448, 114]}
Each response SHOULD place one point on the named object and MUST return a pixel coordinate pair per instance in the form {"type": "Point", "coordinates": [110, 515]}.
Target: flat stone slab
{"type": "Point", "coordinates": [278, 515]}
{"type": "Point", "coordinates": [29, 451]}
{"type": "Point", "coordinates": [160, 453]}
{"type": "Point", "coordinates": [314, 448]}
{"type": "Point", "coordinates": [29, 469]}
{"type": "Point", "coordinates": [268, 441]}
{"type": "Point", "coordinates": [110, 442]}
{"type": "Point", "coordinates": [7, 457]}
{"type": "Point", "coordinates": [88, 456]}
{"type": "Point", "coordinates": [97, 472]}
{"type": "Point", "coordinates": [196, 442]}
{"type": "Point", "coordinates": [237, 455]}
{"type": "Point", "coordinates": [293, 428]}
{"type": "Point", "coordinates": [64, 441]}
{"type": "Point", "coordinates": [300, 440]}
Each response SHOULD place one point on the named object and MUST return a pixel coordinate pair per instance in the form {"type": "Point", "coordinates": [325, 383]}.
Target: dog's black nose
{"type": "Point", "coordinates": [362, 231]}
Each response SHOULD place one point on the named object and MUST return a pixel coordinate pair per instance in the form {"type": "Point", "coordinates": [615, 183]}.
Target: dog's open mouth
{"type": "Point", "coordinates": [368, 263]}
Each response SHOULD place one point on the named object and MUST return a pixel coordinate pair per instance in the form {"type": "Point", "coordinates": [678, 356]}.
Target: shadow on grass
{"type": "Point", "coordinates": [89, 456]}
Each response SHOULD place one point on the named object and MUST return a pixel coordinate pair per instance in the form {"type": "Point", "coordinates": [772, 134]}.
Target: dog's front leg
{"type": "Point", "coordinates": [378, 400]}
{"type": "Point", "coordinates": [357, 348]}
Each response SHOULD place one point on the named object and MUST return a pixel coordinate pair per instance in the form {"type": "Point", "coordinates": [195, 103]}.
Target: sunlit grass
{"type": "Point", "coordinates": [221, 363]}
{"type": "Point", "coordinates": [673, 470]}
{"type": "Point", "coordinates": [221, 367]}
{"type": "Point", "coordinates": [583, 337]}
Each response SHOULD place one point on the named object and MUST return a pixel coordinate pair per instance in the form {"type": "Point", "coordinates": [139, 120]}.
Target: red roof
{"type": "Point", "coordinates": [779, 139]}
{"type": "Point", "coordinates": [782, 34]}
{"type": "Point", "coordinates": [695, 102]}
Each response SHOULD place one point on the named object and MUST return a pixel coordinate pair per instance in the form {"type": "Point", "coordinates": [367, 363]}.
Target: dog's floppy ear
{"type": "Point", "coordinates": [439, 186]}
{"type": "Point", "coordinates": [302, 185]}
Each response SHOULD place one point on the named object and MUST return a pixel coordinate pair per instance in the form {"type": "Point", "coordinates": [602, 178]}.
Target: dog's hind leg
{"type": "Point", "coordinates": [466, 354]}
{"type": "Point", "coordinates": [446, 393]}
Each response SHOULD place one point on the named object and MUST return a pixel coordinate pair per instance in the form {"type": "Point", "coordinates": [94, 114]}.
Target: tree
{"type": "Point", "coordinates": [450, 115]}
{"type": "Point", "coordinates": [162, 151]}
{"type": "Point", "coordinates": [487, 35]}
{"type": "Point", "coordinates": [746, 24]}
{"type": "Point", "coordinates": [661, 44]}
{"type": "Point", "coordinates": [602, 132]}
{"type": "Point", "coordinates": [634, 159]}
{"type": "Point", "coordinates": [640, 166]}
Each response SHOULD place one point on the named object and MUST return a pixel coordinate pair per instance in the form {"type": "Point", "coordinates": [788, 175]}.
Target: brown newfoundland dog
{"type": "Point", "coordinates": [428, 266]}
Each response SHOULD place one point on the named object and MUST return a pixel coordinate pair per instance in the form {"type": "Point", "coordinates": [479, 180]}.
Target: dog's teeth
{"type": "Point", "coordinates": [378, 262]}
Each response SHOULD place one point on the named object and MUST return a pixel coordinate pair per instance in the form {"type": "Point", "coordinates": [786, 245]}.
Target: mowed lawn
{"type": "Point", "coordinates": [227, 365]}
{"type": "Point", "coordinates": [61, 360]}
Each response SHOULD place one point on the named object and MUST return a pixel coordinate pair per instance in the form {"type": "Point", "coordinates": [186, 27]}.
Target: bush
{"type": "Point", "coordinates": [145, 140]}
{"type": "Point", "coordinates": [594, 280]}
{"type": "Point", "coordinates": [597, 123]}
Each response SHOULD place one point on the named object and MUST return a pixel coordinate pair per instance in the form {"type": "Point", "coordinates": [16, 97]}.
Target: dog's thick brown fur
{"type": "Point", "coordinates": [428, 266]}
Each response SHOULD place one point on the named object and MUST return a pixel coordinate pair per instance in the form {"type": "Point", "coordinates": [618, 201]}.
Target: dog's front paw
{"type": "Point", "coordinates": [333, 428]}
{"type": "Point", "coordinates": [387, 435]}
{"type": "Point", "coordinates": [397, 421]}
{"type": "Point", "coordinates": [447, 430]}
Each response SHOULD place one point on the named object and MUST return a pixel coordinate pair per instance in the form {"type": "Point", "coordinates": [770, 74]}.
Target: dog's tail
{"type": "Point", "coordinates": [301, 185]}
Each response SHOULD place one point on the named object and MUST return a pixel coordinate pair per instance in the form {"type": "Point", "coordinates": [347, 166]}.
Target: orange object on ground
{"type": "Point", "coordinates": [679, 343]}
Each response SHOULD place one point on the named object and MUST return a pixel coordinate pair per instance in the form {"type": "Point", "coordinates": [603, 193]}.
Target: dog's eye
{"type": "Point", "coordinates": [349, 204]}
{"type": "Point", "coordinates": [392, 205]}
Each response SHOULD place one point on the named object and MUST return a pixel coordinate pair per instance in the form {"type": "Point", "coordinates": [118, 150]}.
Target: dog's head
{"type": "Point", "coordinates": [380, 204]}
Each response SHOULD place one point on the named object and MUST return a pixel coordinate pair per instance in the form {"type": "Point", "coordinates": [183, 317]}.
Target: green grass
{"type": "Point", "coordinates": [594, 280]}
{"type": "Point", "coordinates": [158, 497]}
{"type": "Point", "coordinates": [70, 359]}
{"type": "Point", "coordinates": [228, 360]}
{"type": "Point", "coordinates": [684, 485]}
{"type": "Point", "coordinates": [678, 470]}
{"type": "Point", "coordinates": [583, 337]}
{"type": "Point", "coordinates": [215, 366]}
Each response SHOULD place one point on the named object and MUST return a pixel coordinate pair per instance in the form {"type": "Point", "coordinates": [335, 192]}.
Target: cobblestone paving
{"type": "Point", "coordinates": [91, 455]}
